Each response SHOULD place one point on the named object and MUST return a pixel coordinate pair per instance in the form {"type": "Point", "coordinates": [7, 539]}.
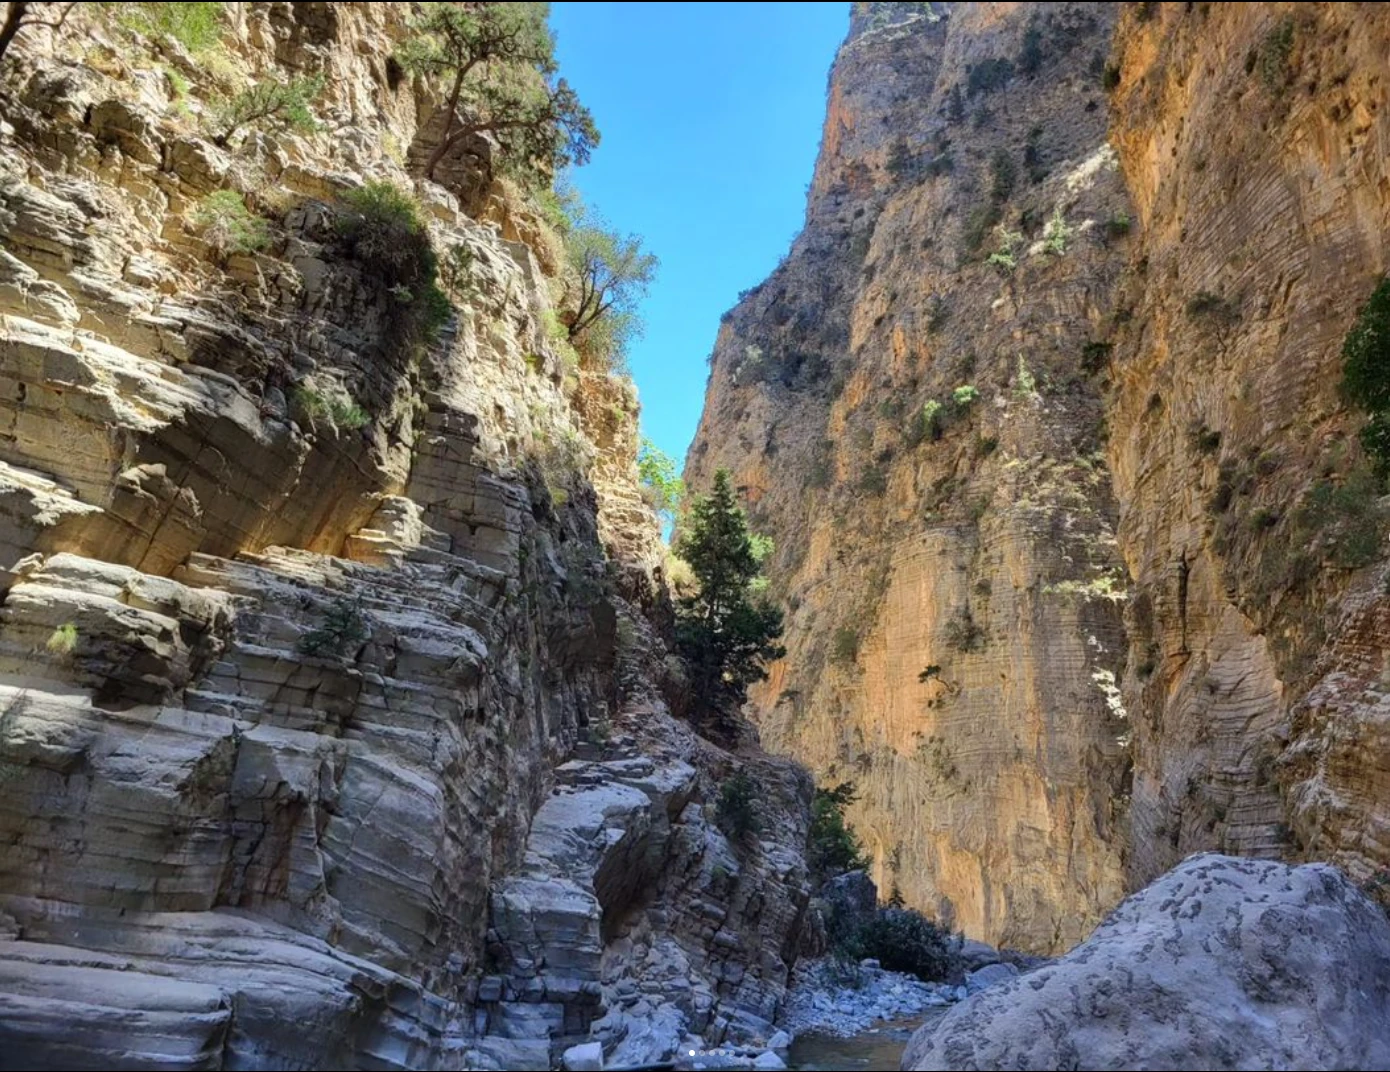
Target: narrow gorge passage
{"type": "Point", "coordinates": [1000, 680]}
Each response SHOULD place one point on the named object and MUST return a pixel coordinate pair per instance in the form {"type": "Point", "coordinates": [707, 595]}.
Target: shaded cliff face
{"type": "Point", "coordinates": [918, 431]}
{"type": "Point", "coordinates": [328, 727]}
{"type": "Point", "coordinates": [1124, 600]}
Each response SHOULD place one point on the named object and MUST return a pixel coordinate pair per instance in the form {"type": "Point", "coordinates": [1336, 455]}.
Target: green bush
{"type": "Point", "coordinates": [1203, 440]}
{"type": "Point", "coordinates": [1118, 225]}
{"type": "Point", "coordinates": [1030, 56]}
{"type": "Point", "coordinates": [903, 940]}
{"type": "Point", "coordinates": [1095, 356]}
{"type": "Point", "coordinates": [989, 75]}
{"type": "Point", "coordinates": [1057, 234]}
{"type": "Point", "coordinates": [1003, 176]}
{"type": "Point", "coordinates": [932, 672]}
{"type": "Point", "coordinates": [1212, 308]}
{"type": "Point", "coordinates": [844, 646]}
{"type": "Point", "coordinates": [63, 640]}
{"type": "Point", "coordinates": [874, 481]}
{"type": "Point", "coordinates": [1110, 77]}
{"type": "Point", "coordinates": [343, 627]}
{"type": "Point", "coordinates": [344, 413]}
{"type": "Point", "coordinates": [1366, 373]}
{"type": "Point", "coordinates": [822, 469]}
{"type": "Point", "coordinates": [197, 27]}
{"type": "Point", "coordinates": [268, 103]}
{"type": "Point", "coordinates": [978, 223]}
{"type": "Point", "coordinates": [833, 847]}
{"type": "Point", "coordinates": [943, 163]}
{"type": "Point", "coordinates": [901, 161]}
{"type": "Point", "coordinates": [227, 225]}
{"type": "Point", "coordinates": [737, 809]}
{"type": "Point", "coordinates": [1347, 519]}
{"type": "Point", "coordinates": [963, 633]}
{"type": "Point", "coordinates": [1273, 55]}
{"type": "Point", "coordinates": [384, 230]}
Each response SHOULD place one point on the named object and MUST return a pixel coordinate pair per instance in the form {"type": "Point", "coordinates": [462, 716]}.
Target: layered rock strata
{"type": "Point", "coordinates": [329, 726]}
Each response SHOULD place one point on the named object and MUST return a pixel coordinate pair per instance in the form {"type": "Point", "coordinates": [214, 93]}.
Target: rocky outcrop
{"type": "Point", "coordinates": [1083, 566]}
{"type": "Point", "coordinates": [919, 431]}
{"type": "Point", "coordinates": [328, 727]}
{"type": "Point", "coordinates": [1222, 963]}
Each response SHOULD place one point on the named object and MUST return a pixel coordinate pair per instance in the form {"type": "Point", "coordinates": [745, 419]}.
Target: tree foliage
{"type": "Point", "coordinates": [1366, 374]}
{"type": "Point", "coordinates": [613, 273]}
{"type": "Point", "coordinates": [737, 809]}
{"type": "Point", "coordinates": [384, 230]}
{"type": "Point", "coordinates": [833, 848]}
{"type": "Point", "coordinates": [724, 633]}
{"type": "Point", "coordinates": [662, 486]}
{"type": "Point", "coordinates": [225, 222]}
{"type": "Point", "coordinates": [197, 26]}
{"type": "Point", "coordinates": [278, 105]}
{"type": "Point", "coordinates": [498, 64]}
{"type": "Point", "coordinates": [903, 940]}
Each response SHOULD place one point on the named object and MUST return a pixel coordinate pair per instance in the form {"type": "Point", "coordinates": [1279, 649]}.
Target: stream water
{"type": "Point", "coordinates": [879, 1048]}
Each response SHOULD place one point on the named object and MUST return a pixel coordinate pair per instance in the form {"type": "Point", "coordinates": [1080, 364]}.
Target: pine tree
{"type": "Point", "coordinates": [724, 635]}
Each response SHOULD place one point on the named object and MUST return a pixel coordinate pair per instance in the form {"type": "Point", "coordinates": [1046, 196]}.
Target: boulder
{"type": "Point", "coordinates": [988, 976]}
{"type": "Point", "coordinates": [585, 1058]}
{"type": "Point", "coordinates": [975, 954]}
{"type": "Point", "coordinates": [1222, 963]}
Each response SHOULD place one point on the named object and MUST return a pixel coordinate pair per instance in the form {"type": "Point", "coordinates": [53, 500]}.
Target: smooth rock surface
{"type": "Point", "coordinates": [1223, 963]}
{"type": "Point", "coordinates": [587, 1057]}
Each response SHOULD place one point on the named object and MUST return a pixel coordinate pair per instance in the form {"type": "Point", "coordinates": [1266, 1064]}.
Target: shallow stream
{"type": "Point", "coordinates": [879, 1048]}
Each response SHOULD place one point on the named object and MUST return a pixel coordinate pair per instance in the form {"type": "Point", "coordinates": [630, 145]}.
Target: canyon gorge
{"type": "Point", "coordinates": [343, 716]}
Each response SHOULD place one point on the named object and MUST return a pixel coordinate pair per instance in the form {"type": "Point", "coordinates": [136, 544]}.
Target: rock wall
{"type": "Point", "coordinates": [1254, 142]}
{"type": "Point", "coordinates": [330, 733]}
{"type": "Point", "coordinates": [1123, 600]}
{"type": "Point", "coordinates": [953, 582]}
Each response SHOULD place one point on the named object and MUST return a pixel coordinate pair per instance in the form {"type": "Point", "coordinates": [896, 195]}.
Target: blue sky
{"type": "Point", "coordinates": [711, 117]}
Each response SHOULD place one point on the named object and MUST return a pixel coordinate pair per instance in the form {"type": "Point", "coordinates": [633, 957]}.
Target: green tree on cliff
{"type": "Point", "coordinates": [1366, 374]}
{"type": "Point", "coordinates": [833, 846]}
{"type": "Point", "coordinates": [724, 633]}
{"type": "Point", "coordinates": [496, 66]}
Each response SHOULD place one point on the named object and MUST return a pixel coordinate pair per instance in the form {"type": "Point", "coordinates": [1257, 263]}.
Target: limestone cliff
{"type": "Point", "coordinates": [1083, 568]}
{"type": "Point", "coordinates": [1255, 141]}
{"type": "Point", "coordinates": [917, 430]}
{"type": "Point", "coordinates": [330, 732]}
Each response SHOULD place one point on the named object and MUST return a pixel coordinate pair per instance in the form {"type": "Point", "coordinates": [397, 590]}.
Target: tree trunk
{"type": "Point", "coordinates": [450, 118]}
{"type": "Point", "coordinates": [14, 19]}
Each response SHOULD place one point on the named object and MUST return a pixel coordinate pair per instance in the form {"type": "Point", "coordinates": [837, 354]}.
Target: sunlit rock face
{"type": "Point", "coordinates": [330, 734]}
{"type": "Point", "coordinates": [1094, 613]}
{"type": "Point", "coordinates": [916, 429]}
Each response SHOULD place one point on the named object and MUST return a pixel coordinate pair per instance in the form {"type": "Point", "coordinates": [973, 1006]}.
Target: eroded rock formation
{"type": "Point", "coordinates": [1222, 963]}
{"type": "Point", "coordinates": [1083, 567]}
{"type": "Point", "coordinates": [330, 733]}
